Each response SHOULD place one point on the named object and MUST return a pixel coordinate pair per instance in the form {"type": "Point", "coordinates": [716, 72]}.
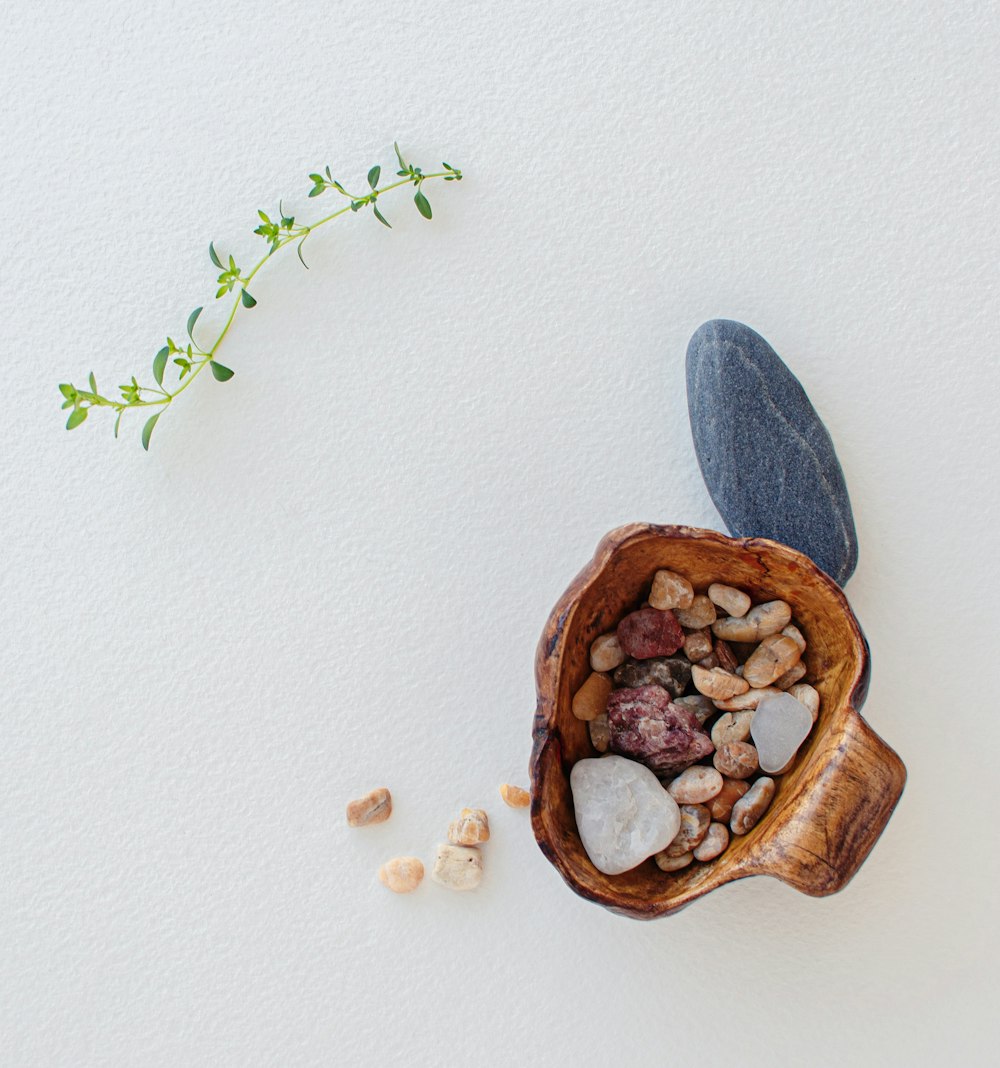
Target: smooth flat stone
{"type": "Point", "coordinates": [779, 726]}
{"type": "Point", "coordinates": [766, 457]}
{"type": "Point", "coordinates": [623, 814]}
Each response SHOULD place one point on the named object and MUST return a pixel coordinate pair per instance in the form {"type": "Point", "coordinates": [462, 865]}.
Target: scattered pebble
{"type": "Point", "coordinates": [646, 725]}
{"type": "Point", "coordinates": [698, 644]}
{"type": "Point", "coordinates": [717, 683]}
{"type": "Point", "coordinates": [743, 702]}
{"type": "Point", "coordinates": [716, 841]}
{"type": "Point", "coordinates": [672, 673]}
{"type": "Point", "coordinates": [668, 863]}
{"type": "Point", "coordinates": [471, 828]}
{"type": "Point", "coordinates": [650, 632]}
{"type": "Point", "coordinates": [790, 677]}
{"type": "Point", "coordinates": [670, 590]}
{"type": "Point", "coordinates": [401, 875]}
{"type": "Point", "coordinates": [694, 823]}
{"type": "Point", "coordinates": [695, 785]}
{"type": "Point", "coordinates": [375, 807]}
{"type": "Point", "coordinates": [514, 796]}
{"type": "Point", "coordinates": [774, 656]}
{"type": "Point", "coordinates": [780, 725]}
{"type": "Point", "coordinates": [736, 760]}
{"type": "Point", "coordinates": [458, 867]}
{"type": "Point", "coordinates": [731, 727]}
{"type": "Point", "coordinates": [701, 613]}
{"type": "Point", "coordinates": [808, 695]}
{"type": "Point", "coordinates": [600, 733]}
{"type": "Point", "coordinates": [760, 622]}
{"type": "Point", "coordinates": [721, 806]}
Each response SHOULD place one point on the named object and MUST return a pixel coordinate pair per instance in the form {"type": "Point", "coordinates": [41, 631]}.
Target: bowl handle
{"type": "Point", "coordinates": [835, 814]}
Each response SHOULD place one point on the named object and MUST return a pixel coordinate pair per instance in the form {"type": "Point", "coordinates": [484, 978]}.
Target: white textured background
{"type": "Point", "coordinates": [331, 573]}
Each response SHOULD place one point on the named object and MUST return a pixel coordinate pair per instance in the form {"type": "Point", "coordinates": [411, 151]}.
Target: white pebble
{"type": "Point", "coordinates": [780, 725]}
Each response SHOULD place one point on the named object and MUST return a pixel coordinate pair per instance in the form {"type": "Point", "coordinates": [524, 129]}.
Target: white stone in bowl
{"type": "Point", "coordinates": [779, 726]}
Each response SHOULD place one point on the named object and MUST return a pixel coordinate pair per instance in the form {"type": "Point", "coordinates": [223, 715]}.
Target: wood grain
{"type": "Point", "coordinates": [830, 808]}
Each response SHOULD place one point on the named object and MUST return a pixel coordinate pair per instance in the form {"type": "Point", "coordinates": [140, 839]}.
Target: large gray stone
{"type": "Point", "coordinates": [765, 455]}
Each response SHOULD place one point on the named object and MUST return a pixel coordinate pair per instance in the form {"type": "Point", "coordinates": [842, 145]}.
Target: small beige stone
{"type": "Point", "coordinates": [665, 863]}
{"type": "Point", "coordinates": [744, 701]}
{"type": "Point", "coordinates": [401, 875]}
{"type": "Point", "coordinates": [754, 803]}
{"type": "Point", "coordinates": [695, 785]}
{"type": "Point", "coordinates": [716, 841]}
{"type": "Point", "coordinates": [458, 867]}
{"type": "Point", "coordinates": [721, 806]}
{"type": "Point", "coordinates": [698, 644]}
{"type": "Point", "coordinates": [606, 653]}
{"type": "Point", "coordinates": [514, 796]}
{"type": "Point", "coordinates": [701, 613]}
{"type": "Point", "coordinates": [670, 590]}
{"type": "Point", "coordinates": [731, 600]}
{"type": "Point", "coordinates": [760, 622]}
{"type": "Point", "coordinates": [375, 807]}
{"type": "Point", "coordinates": [600, 733]}
{"type": "Point", "coordinates": [709, 662]}
{"type": "Point", "coordinates": [471, 828]}
{"type": "Point", "coordinates": [731, 727]}
{"type": "Point", "coordinates": [695, 820]}
{"type": "Point", "coordinates": [808, 695]}
{"type": "Point", "coordinates": [591, 700]}
{"type": "Point", "coordinates": [795, 634]}
{"type": "Point", "coordinates": [790, 677]}
{"type": "Point", "coordinates": [772, 658]}
{"type": "Point", "coordinates": [736, 760]}
{"type": "Point", "coordinates": [700, 705]}
{"type": "Point", "coordinates": [717, 683]}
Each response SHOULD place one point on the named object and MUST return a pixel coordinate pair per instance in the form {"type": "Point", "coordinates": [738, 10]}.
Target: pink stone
{"type": "Point", "coordinates": [650, 632]}
{"type": "Point", "coordinates": [645, 725]}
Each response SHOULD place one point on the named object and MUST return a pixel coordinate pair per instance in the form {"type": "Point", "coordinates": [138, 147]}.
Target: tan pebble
{"type": "Point", "coordinates": [790, 677]}
{"type": "Point", "coordinates": [760, 622]}
{"type": "Point", "coordinates": [591, 700]}
{"type": "Point", "coordinates": [715, 842]}
{"type": "Point", "coordinates": [721, 806]}
{"type": "Point", "coordinates": [471, 828]}
{"type": "Point", "coordinates": [717, 683]}
{"type": "Point", "coordinates": [748, 700]}
{"type": "Point", "coordinates": [701, 706]}
{"type": "Point", "coordinates": [698, 645]}
{"type": "Point", "coordinates": [773, 657]}
{"type": "Point", "coordinates": [808, 695]}
{"type": "Point", "coordinates": [795, 634]}
{"type": "Point", "coordinates": [749, 809]}
{"type": "Point", "coordinates": [401, 874]}
{"type": "Point", "coordinates": [670, 590]}
{"type": "Point", "coordinates": [731, 727]}
{"type": "Point", "coordinates": [375, 807]}
{"type": "Point", "coordinates": [665, 863]}
{"type": "Point", "coordinates": [695, 785]}
{"type": "Point", "coordinates": [606, 653]}
{"type": "Point", "coordinates": [458, 867]}
{"type": "Point", "coordinates": [709, 662]}
{"type": "Point", "coordinates": [600, 734]}
{"type": "Point", "coordinates": [701, 613]}
{"type": "Point", "coordinates": [731, 600]}
{"type": "Point", "coordinates": [724, 654]}
{"type": "Point", "coordinates": [694, 823]}
{"type": "Point", "coordinates": [736, 760]}
{"type": "Point", "coordinates": [515, 796]}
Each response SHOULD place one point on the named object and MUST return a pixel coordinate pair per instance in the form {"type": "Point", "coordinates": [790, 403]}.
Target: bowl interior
{"type": "Point", "coordinates": [616, 582]}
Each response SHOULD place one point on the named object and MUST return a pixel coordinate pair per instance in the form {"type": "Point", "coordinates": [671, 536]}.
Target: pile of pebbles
{"type": "Point", "coordinates": [708, 691]}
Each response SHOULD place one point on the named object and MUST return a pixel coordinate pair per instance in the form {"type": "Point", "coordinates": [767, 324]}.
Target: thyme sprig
{"type": "Point", "coordinates": [192, 355]}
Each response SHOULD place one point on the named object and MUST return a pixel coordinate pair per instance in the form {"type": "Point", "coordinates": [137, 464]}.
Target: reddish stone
{"type": "Point", "coordinates": [650, 632]}
{"type": "Point", "coordinates": [646, 726]}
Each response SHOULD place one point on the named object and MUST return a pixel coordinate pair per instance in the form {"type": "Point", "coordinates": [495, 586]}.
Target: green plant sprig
{"type": "Point", "coordinates": [190, 357]}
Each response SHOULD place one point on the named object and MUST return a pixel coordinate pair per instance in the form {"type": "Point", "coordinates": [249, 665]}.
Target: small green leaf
{"type": "Point", "coordinates": [159, 364]}
{"type": "Point", "coordinates": [67, 391]}
{"type": "Point", "coordinates": [221, 292]}
{"type": "Point", "coordinates": [317, 178]}
{"type": "Point", "coordinates": [248, 301]}
{"type": "Point", "coordinates": [298, 249]}
{"type": "Point", "coordinates": [316, 190]}
{"type": "Point", "coordinates": [67, 404]}
{"type": "Point", "coordinates": [193, 318]}
{"type": "Point", "coordinates": [214, 256]}
{"type": "Point", "coordinates": [76, 417]}
{"type": "Point", "coordinates": [399, 155]}
{"type": "Point", "coordinates": [93, 383]}
{"type": "Point", "coordinates": [373, 176]}
{"type": "Point", "coordinates": [381, 218]}
{"type": "Point", "coordinates": [222, 374]}
{"type": "Point", "coordinates": [147, 430]}
{"type": "Point", "coordinates": [423, 205]}
{"type": "Point", "coordinates": [118, 421]}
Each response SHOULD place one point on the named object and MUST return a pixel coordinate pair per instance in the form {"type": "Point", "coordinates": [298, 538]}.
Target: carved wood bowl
{"type": "Point", "coordinates": [829, 808]}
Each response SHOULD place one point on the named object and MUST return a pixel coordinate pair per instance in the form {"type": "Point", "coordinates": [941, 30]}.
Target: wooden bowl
{"type": "Point", "coordinates": [829, 808]}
